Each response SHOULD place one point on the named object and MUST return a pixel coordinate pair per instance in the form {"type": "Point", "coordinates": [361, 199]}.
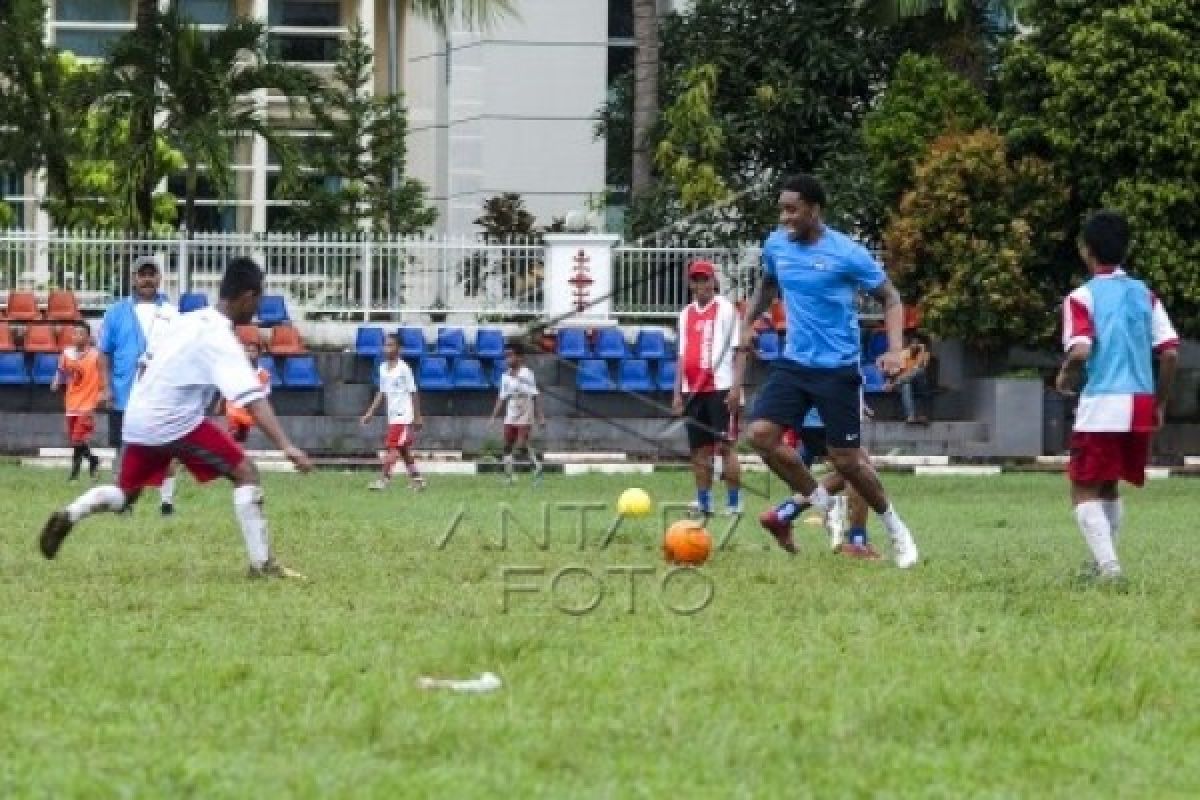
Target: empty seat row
{"type": "Point", "coordinates": [633, 375]}
{"type": "Point", "coordinates": [650, 345]}
{"type": "Point", "coordinates": [283, 340]}
{"type": "Point", "coordinates": [272, 308]}
{"type": "Point", "coordinates": [61, 306]}
{"type": "Point", "coordinates": [37, 339]}
{"type": "Point", "coordinates": [299, 372]}
{"type": "Point", "coordinates": [451, 343]}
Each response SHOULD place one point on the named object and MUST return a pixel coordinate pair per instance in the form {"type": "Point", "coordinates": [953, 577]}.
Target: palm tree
{"type": "Point", "coordinates": [203, 89]}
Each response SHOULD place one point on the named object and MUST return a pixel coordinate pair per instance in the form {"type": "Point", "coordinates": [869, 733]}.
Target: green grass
{"type": "Point", "coordinates": [142, 664]}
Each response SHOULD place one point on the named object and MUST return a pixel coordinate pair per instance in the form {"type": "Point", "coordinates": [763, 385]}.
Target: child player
{"type": "Point", "coordinates": [79, 370]}
{"type": "Point", "coordinates": [397, 385]}
{"type": "Point", "coordinates": [522, 408]}
{"type": "Point", "coordinates": [237, 418]}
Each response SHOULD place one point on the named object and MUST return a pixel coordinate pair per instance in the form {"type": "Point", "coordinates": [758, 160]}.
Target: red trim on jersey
{"type": "Point", "coordinates": [1144, 413]}
{"type": "Point", "coordinates": [1081, 320]}
{"type": "Point", "coordinates": [696, 354]}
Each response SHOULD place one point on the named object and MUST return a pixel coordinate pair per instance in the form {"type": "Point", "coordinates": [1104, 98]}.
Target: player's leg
{"type": "Point", "coordinates": [85, 428]}
{"type": "Point", "coordinates": [1097, 463]}
{"type": "Point", "coordinates": [116, 425]}
{"type": "Point", "coordinates": [166, 492]}
{"type": "Point", "coordinates": [726, 426]}
{"type": "Point", "coordinates": [76, 448]}
{"type": "Point", "coordinates": [857, 543]}
{"type": "Point", "coordinates": [702, 475]}
{"type": "Point", "coordinates": [526, 449]}
{"type": "Point", "coordinates": [510, 440]}
{"type": "Point", "coordinates": [388, 457]}
{"type": "Point", "coordinates": [701, 439]}
{"type": "Point", "coordinates": [404, 449]}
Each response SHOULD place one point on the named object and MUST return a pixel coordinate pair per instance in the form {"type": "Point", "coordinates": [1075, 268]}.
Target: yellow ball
{"type": "Point", "coordinates": [633, 503]}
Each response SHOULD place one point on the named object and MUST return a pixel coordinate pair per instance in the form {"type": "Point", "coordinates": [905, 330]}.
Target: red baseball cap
{"type": "Point", "coordinates": [701, 269]}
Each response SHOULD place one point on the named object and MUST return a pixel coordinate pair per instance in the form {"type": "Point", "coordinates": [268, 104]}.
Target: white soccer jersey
{"type": "Point", "coordinates": [519, 390]}
{"type": "Point", "coordinates": [707, 337]}
{"type": "Point", "coordinates": [194, 355]}
{"type": "Point", "coordinates": [398, 386]}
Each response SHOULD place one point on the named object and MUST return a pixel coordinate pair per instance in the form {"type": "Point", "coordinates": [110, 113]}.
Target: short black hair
{"type": "Point", "coordinates": [79, 323]}
{"type": "Point", "coordinates": [516, 346]}
{"type": "Point", "coordinates": [241, 275]}
{"type": "Point", "coordinates": [807, 186]}
{"type": "Point", "coordinates": [1106, 234]}
{"type": "Point", "coordinates": [393, 337]}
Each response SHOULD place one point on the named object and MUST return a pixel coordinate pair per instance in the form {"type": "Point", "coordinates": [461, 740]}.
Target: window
{"type": "Point", "coordinates": [208, 12]}
{"type": "Point", "coordinates": [86, 44]}
{"type": "Point", "coordinates": [309, 49]}
{"type": "Point", "coordinates": [304, 13]}
{"type": "Point", "coordinates": [620, 19]}
{"type": "Point", "coordinates": [93, 10]}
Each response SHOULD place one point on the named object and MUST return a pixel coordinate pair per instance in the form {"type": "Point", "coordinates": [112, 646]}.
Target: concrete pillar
{"type": "Point", "coordinates": [579, 278]}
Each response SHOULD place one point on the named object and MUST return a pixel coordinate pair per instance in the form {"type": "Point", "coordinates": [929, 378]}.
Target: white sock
{"type": "Point", "coordinates": [508, 464]}
{"type": "Point", "coordinates": [1115, 511]}
{"type": "Point", "coordinates": [98, 498]}
{"type": "Point", "coordinates": [821, 499]}
{"type": "Point", "coordinates": [247, 503]}
{"type": "Point", "coordinates": [892, 522]}
{"type": "Point", "coordinates": [1097, 532]}
{"type": "Point", "coordinates": [167, 490]}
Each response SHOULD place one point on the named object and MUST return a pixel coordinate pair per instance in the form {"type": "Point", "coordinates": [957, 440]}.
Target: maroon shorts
{"type": "Point", "coordinates": [1104, 457]}
{"type": "Point", "coordinates": [398, 436]}
{"type": "Point", "coordinates": [80, 428]}
{"type": "Point", "coordinates": [514, 432]}
{"type": "Point", "coordinates": [208, 452]}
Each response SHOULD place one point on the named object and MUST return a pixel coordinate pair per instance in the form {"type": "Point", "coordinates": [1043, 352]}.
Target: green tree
{"type": "Point", "coordinates": [692, 142]}
{"type": "Point", "coordinates": [1110, 92]}
{"type": "Point", "coordinates": [968, 238]}
{"type": "Point", "coordinates": [349, 171]}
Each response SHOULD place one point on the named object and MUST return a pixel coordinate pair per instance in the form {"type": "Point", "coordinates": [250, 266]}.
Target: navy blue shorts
{"type": "Point", "coordinates": [791, 390]}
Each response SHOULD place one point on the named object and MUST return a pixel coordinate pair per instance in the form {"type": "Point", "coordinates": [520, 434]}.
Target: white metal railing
{"type": "Point", "coordinates": [651, 281]}
{"type": "Point", "coordinates": [321, 275]}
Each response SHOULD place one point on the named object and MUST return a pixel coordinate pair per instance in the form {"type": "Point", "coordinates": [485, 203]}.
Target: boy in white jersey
{"type": "Point", "coordinates": [164, 421]}
{"type": "Point", "coordinates": [522, 408]}
{"type": "Point", "coordinates": [397, 385]}
{"type": "Point", "coordinates": [1113, 325]}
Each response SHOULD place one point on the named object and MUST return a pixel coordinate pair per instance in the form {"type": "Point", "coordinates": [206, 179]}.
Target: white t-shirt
{"type": "Point", "coordinates": [195, 354]}
{"type": "Point", "coordinates": [519, 390]}
{"type": "Point", "coordinates": [154, 320]}
{"type": "Point", "coordinates": [398, 385]}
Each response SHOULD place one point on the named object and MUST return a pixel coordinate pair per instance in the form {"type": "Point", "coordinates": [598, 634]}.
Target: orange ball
{"type": "Point", "coordinates": [687, 542]}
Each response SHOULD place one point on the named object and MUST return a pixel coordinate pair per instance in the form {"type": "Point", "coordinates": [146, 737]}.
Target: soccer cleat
{"type": "Point", "coordinates": [733, 511]}
{"type": "Point", "coordinates": [378, 486]}
{"type": "Point", "coordinates": [863, 552]}
{"type": "Point", "coordinates": [835, 523]}
{"type": "Point", "coordinates": [694, 509]}
{"type": "Point", "coordinates": [273, 569]}
{"type": "Point", "coordinates": [781, 530]}
{"type": "Point", "coordinates": [167, 509]}
{"type": "Point", "coordinates": [54, 532]}
{"type": "Point", "coordinates": [904, 549]}
{"type": "Point", "coordinates": [417, 483]}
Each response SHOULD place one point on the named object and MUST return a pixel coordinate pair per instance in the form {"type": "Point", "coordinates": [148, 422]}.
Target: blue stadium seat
{"type": "Point", "coordinates": [272, 367]}
{"type": "Point", "coordinates": [489, 343]}
{"type": "Point", "coordinates": [666, 375]}
{"type": "Point", "coordinates": [451, 343]}
{"type": "Point", "coordinates": [610, 343]}
{"type": "Point", "coordinates": [873, 379]}
{"type": "Point", "coordinates": [572, 343]}
{"type": "Point", "coordinates": [650, 345]}
{"type": "Point", "coordinates": [368, 342]}
{"type": "Point", "coordinates": [45, 367]}
{"type": "Point", "coordinates": [767, 345]}
{"type": "Point", "coordinates": [433, 375]}
{"type": "Point", "coordinates": [468, 374]}
{"type": "Point", "coordinates": [593, 376]}
{"type": "Point", "coordinates": [272, 310]}
{"type": "Point", "coordinates": [633, 375]}
{"type": "Point", "coordinates": [192, 301]}
{"type": "Point", "coordinates": [498, 370]}
{"type": "Point", "coordinates": [12, 370]}
{"type": "Point", "coordinates": [412, 342]}
{"type": "Point", "coordinates": [877, 345]}
{"type": "Point", "coordinates": [300, 372]}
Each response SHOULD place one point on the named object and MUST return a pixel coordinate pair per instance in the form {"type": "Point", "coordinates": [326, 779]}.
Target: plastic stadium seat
{"type": "Point", "coordinates": [489, 343]}
{"type": "Point", "coordinates": [22, 307]}
{"type": "Point", "coordinates": [468, 374]}
{"type": "Point", "coordinates": [285, 341]}
{"type": "Point", "coordinates": [877, 345]}
{"type": "Point", "coordinates": [45, 367]}
{"type": "Point", "coordinates": [650, 345]}
{"type": "Point", "coordinates": [6, 337]}
{"type": "Point", "coordinates": [269, 364]}
{"type": "Point", "coordinates": [300, 372]}
{"type": "Point", "coordinates": [767, 345]}
{"type": "Point", "coordinates": [451, 343]}
{"type": "Point", "coordinates": [610, 343]}
{"type": "Point", "coordinates": [272, 310]}
{"type": "Point", "coordinates": [61, 306]}
{"type": "Point", "coordinates": [633, 375]}
{"type": "Point", "coordinates": [12, 370]}
{"type": "Point", "coordinates": [572, 343]}
{"type": "Point", "coordinates": [433, 374]}
{"type": "Point", "coordinates": [368, 342]}
{"type": "Point", "coordinates": [593, 376]}
{"type": "Point", "coordinates": [248, 334]}
{"type": "Point", "coordinates": [192, 301]}
{"type": "Point", "coordinates": [498, 370]}
{"type": "Point", "coordinates": [65, 337]}
{"type": "Point", "coordinates": [666, 375]}
{"type": "Point", "coordinates": [412, 342]}
{"type": "Point", "coordinates": [40, 339]}
{"type": "Point", "coordinates": [872, 378]}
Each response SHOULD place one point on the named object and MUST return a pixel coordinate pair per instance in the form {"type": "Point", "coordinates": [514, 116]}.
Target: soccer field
{"type": "Point", "coordinates": [142, 663]}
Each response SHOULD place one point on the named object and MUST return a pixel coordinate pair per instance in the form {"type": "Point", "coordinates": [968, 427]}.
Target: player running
{"type": "Point", "coordinates": [398, 386]}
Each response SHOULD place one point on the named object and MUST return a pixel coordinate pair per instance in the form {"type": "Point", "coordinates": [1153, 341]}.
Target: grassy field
{"type": "Point", "coordinates": [142, 663]}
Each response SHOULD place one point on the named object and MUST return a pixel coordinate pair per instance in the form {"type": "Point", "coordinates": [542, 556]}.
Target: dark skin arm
{"type": "Point", "coordinates": [765, 293]}
{"type": "Point", "coordinates": [893, 321]}
{"type": "Point", "coordinates": [1168, 365]}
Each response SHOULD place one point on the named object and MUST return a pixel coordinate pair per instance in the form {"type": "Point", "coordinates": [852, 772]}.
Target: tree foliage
{"type": "Point", "coordinates": [967, 239]}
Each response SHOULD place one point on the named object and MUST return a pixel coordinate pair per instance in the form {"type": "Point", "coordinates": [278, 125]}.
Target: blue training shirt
{"type": "Point", "coordinates": [124, 342]}
{"type": "Point", "coordinates": [820, 284]}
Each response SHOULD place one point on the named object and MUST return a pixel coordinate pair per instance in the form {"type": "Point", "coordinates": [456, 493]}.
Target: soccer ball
{"type": "Point", "coordinates": [687, 542]}
{"type": "Point", "coordinates": [633, 503]}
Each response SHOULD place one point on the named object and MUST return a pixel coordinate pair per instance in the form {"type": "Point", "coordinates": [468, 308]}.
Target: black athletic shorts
{"type": "Point", "coordinates": [708, 419]}
{"type": "Point", "coordinates": [791, 390]}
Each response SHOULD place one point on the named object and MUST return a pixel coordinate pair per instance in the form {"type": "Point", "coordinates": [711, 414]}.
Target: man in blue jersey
{"type": "Point", "coordinates": [819, 273]}
{"type": "Point", "coordinates": [1113, 325]}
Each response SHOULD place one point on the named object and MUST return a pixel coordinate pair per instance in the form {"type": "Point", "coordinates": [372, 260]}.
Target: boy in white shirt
{"type": "Point", "coordinates": [523, 407]}
{"type": "Point", "coordinates": [396, 383]}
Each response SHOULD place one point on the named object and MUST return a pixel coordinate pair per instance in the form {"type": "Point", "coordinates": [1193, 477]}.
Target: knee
{"type": "Point", "coordinates": [245, 474]}
{"type": "Point", "coordinates": [763, 435]}
{"type": "Point", "coordinates": [702, 455]}
{"type": "Point", "coordinates": [847, 461]}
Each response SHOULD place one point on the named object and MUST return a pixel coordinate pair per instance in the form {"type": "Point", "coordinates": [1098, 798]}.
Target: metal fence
{"type": "Point", "coordinates": [652, 281]}
{"type": "Point", "coordinates": [321, 276]}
